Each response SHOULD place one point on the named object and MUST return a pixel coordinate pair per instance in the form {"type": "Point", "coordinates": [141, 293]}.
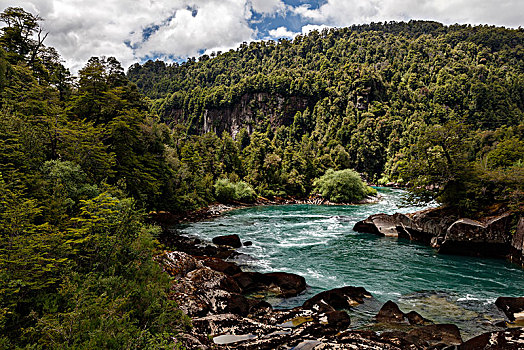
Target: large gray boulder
{"type": "Point", "coordinates": [470, 237]}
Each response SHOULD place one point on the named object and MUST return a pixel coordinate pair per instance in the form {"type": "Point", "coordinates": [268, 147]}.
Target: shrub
{"type": "Point", "coordinates": [343, 186]}
{"type": "Point", "coordinates": [227, 191]}
{"type": "Point", "coordinates": [224, 190]}
{"type": "Point", "coordinates": [244, 192]}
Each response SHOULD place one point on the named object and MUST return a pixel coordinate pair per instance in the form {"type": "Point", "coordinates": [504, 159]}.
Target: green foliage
{"type": "Point", "coordinates": [342, 186]}
{"type": "Point", "coordinates": [465, 169]}
{"type": "Point", "coordinates": [227, 191]}
{"type": "Point", "coordinates": [76, 260]}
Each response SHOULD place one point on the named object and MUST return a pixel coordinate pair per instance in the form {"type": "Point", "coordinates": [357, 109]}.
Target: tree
{"type": "Point", "coordinates": [18, 35]}
{"type": "Point", "coordinates": [342, 186]}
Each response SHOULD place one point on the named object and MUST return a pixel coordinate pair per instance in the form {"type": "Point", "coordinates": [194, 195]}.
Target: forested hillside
{"type": "Point", "coordinates": [437, 107]}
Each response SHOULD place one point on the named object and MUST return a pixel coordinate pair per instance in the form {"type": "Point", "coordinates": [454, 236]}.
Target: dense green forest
{"type": "Point", "coordinates": [438, 108]}
{"type": "Point", "coordinates": [80, 159]}
{"type": "Point", "coordinates": [83, 159]}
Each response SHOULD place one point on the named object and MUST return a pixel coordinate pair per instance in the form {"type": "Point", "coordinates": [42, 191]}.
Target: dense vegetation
{"type": "Point", "coordinates": [79, 159]}
{"type": "Point", "coordinates": [440, 108]}
{"type": "Point", "coordinates": [83, 158]}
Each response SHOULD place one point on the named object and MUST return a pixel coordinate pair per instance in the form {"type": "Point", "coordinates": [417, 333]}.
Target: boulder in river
{"type": "Point", "coordinates": [229, 240]}
{"type": "Point", "coordinates": [338, 298]}
{"type": "Point", "coordinates": [443, 230]}
{"type": "Point", "coordinates": [512, 307]}
{"type": "Point", "coordinates": [391, 313]}
{"type": "Point", "coordinates": [280, 283]}
{"type": "Point", "coordinates": [379, 224]}
{"type": "Point", "coordinates": [421, 226]}
{"type": "Point", "coordinates": [289, 284]}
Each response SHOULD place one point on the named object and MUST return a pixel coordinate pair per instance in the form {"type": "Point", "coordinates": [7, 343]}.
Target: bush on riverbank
{"type": "Point", "coordinates": [342, 186]}
{"type": "Point", "coordinates": [227, 191]}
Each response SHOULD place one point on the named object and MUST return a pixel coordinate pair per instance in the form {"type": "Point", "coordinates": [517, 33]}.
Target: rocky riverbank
{"type": "Point", "coordinates": [445, 231]}
{"type": "Point", "coordinates": [214, 210]}
{"type": "Point", "coordinates": [228, 311]}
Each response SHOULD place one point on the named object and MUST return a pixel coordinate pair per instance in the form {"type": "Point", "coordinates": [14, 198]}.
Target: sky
{"type": "Point", "coordinates": [173, 30]}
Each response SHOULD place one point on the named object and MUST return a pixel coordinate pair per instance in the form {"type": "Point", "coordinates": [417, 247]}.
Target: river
{"type": "Point", "coordinates": [318, 242]}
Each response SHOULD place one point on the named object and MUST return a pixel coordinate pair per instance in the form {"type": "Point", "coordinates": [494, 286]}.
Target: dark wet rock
{"type": "Point", "coordinates": [177, 264]}
{"type": "Point", "coordinates": [509, 339]}
{"type": "Point", "coordinates": [391, 313]}
{"type": "Point", "coordinates": [229, 240]}
{"type": "Point", "coordinates": [338, 319]}
{"type": "Point", "coordinates": [436, 335]}
{"type": "Point", "coordinates": [379, 224]}
{"type": "Point", "coordinates": [414, 318]}
{"type": "Point", "coordinates": [248, 243]}
{"type": "Point", "coordinates": [290, 284]}
{"type": "Point", "coordinates": [259, 306]}
{"type": "Point", "coordinates": [338, 298]}
{"type": "Point", "coordinates": [470, 237]}
{"type": "Point", "coordinates": [252, 281]}
{"type": "Point", "coordinates": [511, 307]}
{"type": "Point", "coordinates": [280, 283]}
{"type": "Point", "coordinates": [516, 254]}
{"type": "Point", "coordinates": [238, 304]}
{"type": "Point", "coordinates": [217, 264]}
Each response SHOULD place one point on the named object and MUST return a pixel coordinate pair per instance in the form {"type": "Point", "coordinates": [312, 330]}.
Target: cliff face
{"type": "Point", "coordinates": [251, 110]}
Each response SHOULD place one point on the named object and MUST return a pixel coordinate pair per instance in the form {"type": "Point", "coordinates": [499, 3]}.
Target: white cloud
{"type": "Point", "coordinates": [310, 27]}
{"type": "Point", "coordinates": [347, 12]}
{"type": "Point", "coordinates": [268, 6]}
{"type": "Point", "coordinates": [79, 29]}
{"type": "Point", "coordinates": [216, 24]}
{"type": "Point", "coordinates": [282, 32]}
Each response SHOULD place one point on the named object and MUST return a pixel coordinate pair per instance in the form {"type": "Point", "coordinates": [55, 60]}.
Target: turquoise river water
{"type": "Point", "coordinates": [318, 242]}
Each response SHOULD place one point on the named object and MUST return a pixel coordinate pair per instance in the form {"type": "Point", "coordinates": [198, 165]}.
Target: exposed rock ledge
{"type": "Point", "coordinates": [213, 293]}
{"type": "Point", "coordinates": [448, 233]}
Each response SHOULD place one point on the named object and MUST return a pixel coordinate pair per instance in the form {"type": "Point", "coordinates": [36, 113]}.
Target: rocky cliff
{"type": "Point", "coordinates": [250, 110]}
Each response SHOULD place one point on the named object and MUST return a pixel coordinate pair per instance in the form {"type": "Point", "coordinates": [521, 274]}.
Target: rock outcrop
{"type": "Point", "coordinates": [516, 253]}
{"type": "Point", "coordinates": [391, 313]}
{"type": "Point", "coordinates": [246, 112]}
{"type": "Point", "coordinates": [229, 240]}
{"type": "Point", "coordinates": [470, 237]}
{"type": "Point", "coordinates": [279, 283]}
{"type": "Point", "coordinates": [443, 230]}
{"type": "Point", "coordinates": [419, 226]}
